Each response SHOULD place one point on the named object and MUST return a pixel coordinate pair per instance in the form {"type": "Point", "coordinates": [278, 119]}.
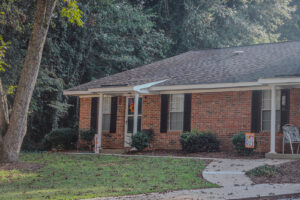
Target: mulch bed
{"type": "Point", "coordinates": [222, 154]}
{"type": "Point", "coordinates": [289, 173]}
{"type": "Point", "coordinates": [21, 166]}
{"type": "Point", "coordinates": [288, 196]}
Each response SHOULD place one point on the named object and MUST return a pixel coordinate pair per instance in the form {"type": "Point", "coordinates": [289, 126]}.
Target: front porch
{"type": "Point", "coordinates": [282, 156]}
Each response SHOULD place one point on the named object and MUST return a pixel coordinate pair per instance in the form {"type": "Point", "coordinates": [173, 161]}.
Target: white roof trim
{"type": "Point", "coordinates": [205, 86]}
{"type": "Point", "coordinates": [151, 88]}
{"type": "Point", "coordinates": [112, 89]}
{"type": "Point", "coordinates": [75, 93]}
{"type": "Point", "coordinates": [285, 80]}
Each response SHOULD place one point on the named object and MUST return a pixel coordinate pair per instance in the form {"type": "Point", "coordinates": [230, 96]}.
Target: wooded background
{"type": "Point", "coordinates": [118, 35]}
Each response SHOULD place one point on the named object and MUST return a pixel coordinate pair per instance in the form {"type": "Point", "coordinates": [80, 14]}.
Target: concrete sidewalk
{"type": "Point", "coordinates": [230, 174]}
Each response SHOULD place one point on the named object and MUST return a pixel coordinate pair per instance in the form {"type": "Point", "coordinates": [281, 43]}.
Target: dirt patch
{"type": "Point", "coordinates": [222, 154]}
{"type": "Point", "coordinates": [21, 166]}
{"type": "Point", "coordinates": [286, 173]}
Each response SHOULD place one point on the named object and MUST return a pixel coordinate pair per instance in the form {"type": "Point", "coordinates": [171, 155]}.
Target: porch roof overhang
{"type": "Point", "coordinates": [156, 88]}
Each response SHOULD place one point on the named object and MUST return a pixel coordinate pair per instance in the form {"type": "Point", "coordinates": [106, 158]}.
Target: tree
{"type": "Point", "coordinates": [290, 30]}
{"type": "Point", "coordinates": [3, 100]}
{"type": "Point", "coordinates": [232, 22]}
{"type": "Point", "coordinates": [12, 137]}
{"type": "Point", "coordinates": [198, 24]}
{"type": "Point", "coordinates": [116, 36]}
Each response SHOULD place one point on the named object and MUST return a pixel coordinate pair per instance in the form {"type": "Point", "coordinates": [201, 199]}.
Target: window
{"type": "Point", "coordinates": [266, 110]}
{"type": "Point", "coordinates": [106, 113]}
{"type": "Point", "coordinates": [176, 112]}
{"type": "Point", "coordinates": [130, 115]}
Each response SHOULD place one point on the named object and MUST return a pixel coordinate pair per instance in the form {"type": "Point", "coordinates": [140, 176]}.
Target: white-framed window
{"type": "Point", "coordinates": [106, 113]}
{"type": "Point", "coordinates": [266, 110]}
{"type": "Point", "coordinates": [176, 112]}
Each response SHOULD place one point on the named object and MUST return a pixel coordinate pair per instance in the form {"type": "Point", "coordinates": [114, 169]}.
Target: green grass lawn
{"type": "Point", "coordinates": [86, 176]}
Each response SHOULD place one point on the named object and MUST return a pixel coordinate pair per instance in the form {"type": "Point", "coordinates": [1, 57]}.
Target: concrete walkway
{"type": "Point", "coordinates": [230, 174]}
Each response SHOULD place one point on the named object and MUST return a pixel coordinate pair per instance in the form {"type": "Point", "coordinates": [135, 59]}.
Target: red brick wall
{"type": "Point", "coordinates": [225, 113]}
{"type": "Point", "coordinates": [109, 140]}
{"type": "Point", "coordinates": [151, 120]}
{"type": "Point", "coordinates": [295, 107]}
{"type": "Point", "coordinates": [264, 137]}
{"type": "Point", "coordinates": [85, 113]}
{"type": "Point", "coordinates": [116, 140]}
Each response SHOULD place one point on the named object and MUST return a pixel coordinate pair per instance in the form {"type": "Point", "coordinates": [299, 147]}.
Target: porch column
{"type": "Point", "coordinates": [136, 113]}
{"type": "Point", "coordinates": [273, 119]}
{"type": "Point", "coordinates": [100, 116]}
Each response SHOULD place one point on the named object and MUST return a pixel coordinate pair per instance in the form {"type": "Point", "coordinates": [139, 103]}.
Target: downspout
{"type": "Point", "coordinates": [143, 89]}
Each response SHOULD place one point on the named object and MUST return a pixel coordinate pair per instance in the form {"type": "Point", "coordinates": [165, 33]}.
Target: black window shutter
{"type": "Point", "coordinates": [187, 112]}
{"type": "Point", "coordinates": [256, 111]}
{"type": "Point", "coordinates": [285, 107]}
{"type": "Point", "coordinates": [113, 114]}
{"type": "Point", "coordinates": [94, 113]}
{"type": "Point", "coordinates": [164, 113]}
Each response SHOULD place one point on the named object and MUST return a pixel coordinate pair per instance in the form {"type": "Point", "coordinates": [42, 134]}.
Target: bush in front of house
{"type": "Point", "coordinates": [238, 142]}
{"type": "Point", "coordinates": [140, 140]}
{"type": "Point", "coordinates": [195, 141]}
{"type": "Point", "coordinates": [61, 139]}
{"type": "Point", "coordinates": [87, 135]}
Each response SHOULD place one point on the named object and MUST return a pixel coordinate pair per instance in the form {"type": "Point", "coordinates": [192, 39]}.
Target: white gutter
{"type": "Point", "coordinates": [144, 87]}
{"type": "Point", "coordinates": [112, 89]}
{"type": "Point", "coordinates": [75, 93]}
{"type": "Point", "coordinates": [279, 80]}
{"type": "Point", "coordinates": [205, 86]}
{"type": "Point", "coordinates": [149, 88]}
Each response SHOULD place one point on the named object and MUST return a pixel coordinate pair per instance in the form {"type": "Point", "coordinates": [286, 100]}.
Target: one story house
{"type": "Point", "coordinates": [251, 88]}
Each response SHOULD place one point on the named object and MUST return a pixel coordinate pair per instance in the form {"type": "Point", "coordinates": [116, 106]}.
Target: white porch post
{"type": "Point", "coordinates": [273, 119]}
{"type": "Point", "coordinates": [136, 113]}
{"type": "Point", "coordinates": [100, 116]}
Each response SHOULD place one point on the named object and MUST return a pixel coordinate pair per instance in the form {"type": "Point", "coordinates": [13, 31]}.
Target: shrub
{"type": "Point", "coordinates": [194, 141]}
{"type": "Point", "coordinates": [238, 142]}
{"type": "Point", "coordinates": [61, 139]}
{"type": "Point", "coordinates": [140, 140]}
{"type": "Point", "coordinates": [87, 135]}
{"type": "Point", "coordinates": [149, 132]}
{"type": "Point", "coordinates": [264, 171]}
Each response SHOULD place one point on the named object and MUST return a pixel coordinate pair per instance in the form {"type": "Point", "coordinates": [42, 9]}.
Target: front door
{"type": "Point", "coordinates": [129, 120]}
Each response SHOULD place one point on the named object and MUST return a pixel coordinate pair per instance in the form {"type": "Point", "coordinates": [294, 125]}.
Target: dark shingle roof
{"type": "Point", "coordinates": [227, 65]}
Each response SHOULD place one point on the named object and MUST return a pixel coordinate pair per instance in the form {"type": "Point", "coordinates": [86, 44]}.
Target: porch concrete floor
{"type": "Point", "coordinates": [282, 156]}
{"type": "Point", "coordinates": [230, 174]}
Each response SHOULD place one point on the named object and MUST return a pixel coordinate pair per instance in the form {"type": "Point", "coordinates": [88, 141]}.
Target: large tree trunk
{"type": "Point", "coordinates": [13, 138]}
{"type": "Point", "coordinates": [3, 114]}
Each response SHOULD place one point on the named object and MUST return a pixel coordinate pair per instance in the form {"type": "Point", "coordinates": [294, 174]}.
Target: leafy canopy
{"type": "Point", "coordinates": [72, 12]}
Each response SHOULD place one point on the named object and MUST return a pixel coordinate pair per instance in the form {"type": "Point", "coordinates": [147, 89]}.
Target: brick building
{"type": "Point", "coordinates": [252, 88]}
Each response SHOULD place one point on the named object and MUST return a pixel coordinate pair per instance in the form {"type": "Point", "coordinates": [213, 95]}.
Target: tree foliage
{"type": "Point", "coordinates": [3, 47]}
{"type": "Point", "coordinates": [198, 24]}
{"type": "Point", "coordinates": [115, 36]}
